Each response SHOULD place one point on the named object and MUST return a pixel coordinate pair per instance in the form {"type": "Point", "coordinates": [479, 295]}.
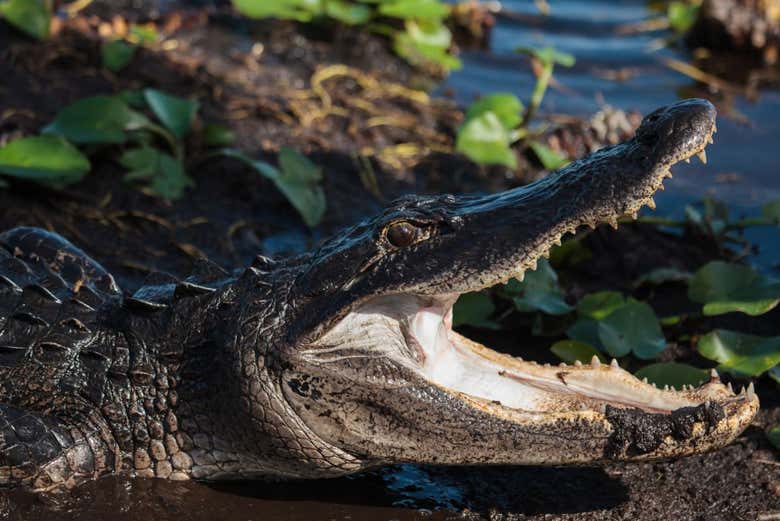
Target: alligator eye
{"type": "Point", "coordinates": [402, 234]}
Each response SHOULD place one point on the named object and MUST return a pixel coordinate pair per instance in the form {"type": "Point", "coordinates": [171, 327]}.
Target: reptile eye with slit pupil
{"type": "Point", "coordinates": [402, 234]}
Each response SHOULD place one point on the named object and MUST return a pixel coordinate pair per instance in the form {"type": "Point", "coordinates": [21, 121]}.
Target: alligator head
{"type": "Point", "coordinates": [373, 366]}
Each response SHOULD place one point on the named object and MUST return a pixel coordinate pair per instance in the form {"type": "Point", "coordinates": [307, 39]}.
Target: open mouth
{"type": "Point", "coordinates": [420, 327]}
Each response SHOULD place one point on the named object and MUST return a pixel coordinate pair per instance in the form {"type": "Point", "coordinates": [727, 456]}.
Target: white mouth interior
{"type": "Point", "coordinates": [417, 331]}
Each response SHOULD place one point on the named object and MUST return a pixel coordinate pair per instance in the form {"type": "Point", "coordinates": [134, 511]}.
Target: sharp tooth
{"type": "Point", "coordinates": [595, 362]}
{"type": "Point", "coordinates": [546, 255]}
{"type": "Point", "coordinates": [577, 363]}
{"type": "Point", "coordinates": [651, 204]}
{"type": "Point", "coordinates": [562, 364]}
{"type": "Point", "coordinates": [634, 215]}
{"type": "Point", "coordinates": [687, 159]}
{"type": "Point", "coordinates": [669, 174]}
{"type": "Point", "coordinates": [661, 187]}
{"type": "Point", "coordinates": [711, 141]}
{"type": "Point", "coordinates": [730, 388]}
{"type": "Point", "coordinates": [742, 391]}
{"type": "Point", "coordinates": [614, 364]}
{"type": "Point", "coordinates": [644, 380]}
{"type": "Point", "coordinates": [714, 375]}
{"type": "Point", "coordinates": [666, 387]}
{"type": "Point", "coordinates": [702, 156]}
{"type": "Point", "coordinates": [751, 391]}
{"type": "Point", "coordinates": [614, 224]}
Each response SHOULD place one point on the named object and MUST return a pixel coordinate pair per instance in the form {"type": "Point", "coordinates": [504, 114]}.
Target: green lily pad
{"type": "Point", "coordinates": [550, 159]}
{"type": "Point", "coordinates": [415, 9]}
{"type": "Point", "coordinates": [660, 276]}
{"type": "Point", "coordinates": [485, 140]}
{"type": "Point", "coordinates": [298, 179]}
{"type": "Point", "coordinates": [723, 288]}
{"type": "Point", "coordinates": [97, 119]}
{"type": "Point", "coordinates": [177, 114]}
{"type": "Point", "coordinates": [116, 54]}
{"type": "Point", "coordinates": [600, 304]}
{"type": "Point", "coordinates": [30, 16]}
{"type": "Point", "coordinates": [774, 373]}
{"type": "Point", "coordinates": [673, 374]}
{"type": "Point", "coordinates": [740, 353]}
{"type": "Point", "coordinates": [539, 291]}
{"type": "Point", "coordinates": [216, 135]}
{"type": "Point", "coordinates": [633, 327]}
{"type": "Point", "coordinates": [425, 41]}
{"type": "Point", "coordinates": [164, 173]}
{"type": "Point", "coordinates": [586, 331]}
{"type": "Point", "coordinates": [348, 12]}
{"type": "Point", "coordinates": [570, 253]}
{"type": "Point", "coordinates": [682, 15]}
{"type": "Point", "coordinates": [507, 107]}
{"type": "Point", "coordinates": [773, 435]}
{"type": "Point", "coordinates": [474, 309]}
{"type": "Point", "coordinates": [570, 351]}
{"type": "Point", "coordinates": [44, 159]}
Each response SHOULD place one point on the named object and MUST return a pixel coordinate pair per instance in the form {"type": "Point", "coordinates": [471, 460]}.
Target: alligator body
{"type": "Point", "coordinates": [339, 359]}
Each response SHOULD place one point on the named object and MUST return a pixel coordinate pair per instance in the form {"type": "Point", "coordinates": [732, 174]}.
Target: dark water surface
{"type": "Point", "coordinates": [742, 167]}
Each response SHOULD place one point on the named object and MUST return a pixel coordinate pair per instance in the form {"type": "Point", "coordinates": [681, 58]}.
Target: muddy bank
{"type": "Point", "coordinates": [323, 93]}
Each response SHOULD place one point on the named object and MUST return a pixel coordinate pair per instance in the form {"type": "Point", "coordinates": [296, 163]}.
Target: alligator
{"type": "Point", "coordinates": [342, 358]}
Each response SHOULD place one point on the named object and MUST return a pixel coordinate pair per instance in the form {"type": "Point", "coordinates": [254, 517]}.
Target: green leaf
{"type": "Point", "coordinates": [740, 353]}
{"type": "Point", "coordinates": [682, 15]}
{"type": "Point", "coordinates": [549, 56]}
{"type": "Point", "coordinates": [216, 135]}
{"type": "Point", "coordinates": [165, 173]}
{"type": "Point", "coordinates": [347, 12]}
{"type": "Point", "coordinates": [174, 112]}
{"type": "Point", "coordinates": [133, 98]}
{"type": "Point", "coordinates": [485, 140]}
{"type": "Point", "coordinates": [570, 253]}
{"type": "Point", "coordinates": [570, 351]}
{"type": "Point", "coordinates": [116, 54]}
{"type": "Point", "coordinates": [723, 288]}
{"type": "Point", "coordinates": [504, 105]}
{"type": "Point", "coordinates": [771, 210]}
{"type": "Point", "coordinates": [98, 119]}
{"type": "Point", "coordinates": [773, 435]}
{"type": "Point", "coordinates": [774, 373]}
{"type": "Point", "coordinates": [632, 327]}
{"type": "Point", "coordinates": [298, 179]}
{"type": "Point", "coordinates": [673, 374]}
{"type": "Point", "coordinates": [45, 159]}
{"type": "Point", "coordinates": [539, 291]}
{"type": "Point", "coordinates": [423, 42]}
{"type": "Point", "coordinates": [585, 330]}
{"type": "Point", "coordinates": [660, 276]}
{"type": "Point", "coordinates": [30, 16]}
{"type": "Point", "coordinates": [549, 158]}
{"type": "Point", "coordinates": [600, 304]}
{"type": "Point", "coordinates": [143, 34]}
{"type": "Point", "coordinates": [415, 9]}
{"type": "Point", "coordinates": [474, 309]}
{"type": "Point", "coordinates": [301, 10]}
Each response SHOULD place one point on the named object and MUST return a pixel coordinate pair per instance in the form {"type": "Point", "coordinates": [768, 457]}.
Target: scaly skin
{"type": "Point", "coordinates": [339, 359]}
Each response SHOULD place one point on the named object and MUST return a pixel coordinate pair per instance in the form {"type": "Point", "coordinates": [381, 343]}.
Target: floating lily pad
{"type": "Point", "coordinates": [673, 374]}
{"type": "Point", "coordinates": [633, 327]}
{"type": "Point", "coordinates": [116, 54]}
{"type": "Point", "coordinates": [298, 179]}
{"type": "Point", "coordinates": [177, 114]}
{"type": "Point", "coordinates": [723, 288]}
{"type": "Point", "coordinates": [97, 119]}
{"type": "Point", "coordinates": [507, 107]}
{"type": "Point", "coordinates": [474, 309]}
{"type": "Point", "coordinates": [44, 159]}
{"type": "Point", "coordinates": [549, 158]}
{"type": "Point", "coordinates": [216, 135]}
{"type": "Point", "coordinates": [773, 435]}
{"type": "Point", "coordinates": [740, 353]}
{"type": "Point", "coordinates": [165, 174]}
{"type": "Point", "coordinates": [30, 16]}
{"type": "Point", "coordinates": [539, 291]}
{"type": "Point", "coordinates": [485, 140]}
{"type": "Point", "coordinates": [660, 276]}
{"type": "Point", "coordinates": [600, 304]}
{"type": "Point", "coordinates": [570, 351]}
